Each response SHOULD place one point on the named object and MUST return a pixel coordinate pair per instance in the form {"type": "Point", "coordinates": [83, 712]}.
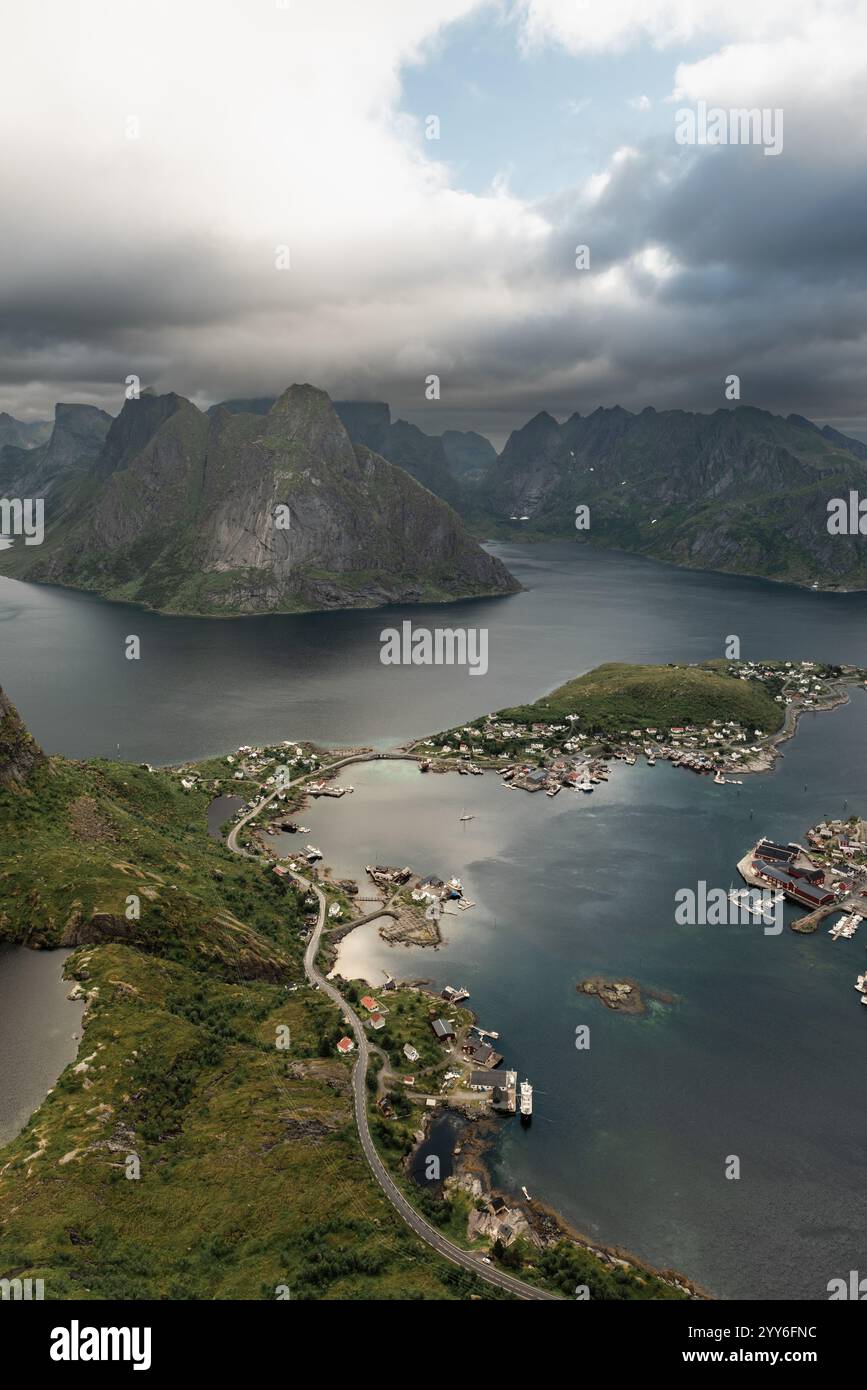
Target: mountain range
{"type": "Point", "coordinates": [173, 507]}
{"type": "Point", "coordinates": [739, 490]}
{"type": "Point", "coordinates": [237, 511]}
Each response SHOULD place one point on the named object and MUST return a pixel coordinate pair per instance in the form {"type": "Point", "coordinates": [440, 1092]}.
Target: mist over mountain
{"type": "Point", "coordinates": [22, 434]}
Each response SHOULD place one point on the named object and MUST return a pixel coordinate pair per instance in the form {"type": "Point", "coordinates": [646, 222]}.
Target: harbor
{"type": "Point", "coordinates": [829, 879]}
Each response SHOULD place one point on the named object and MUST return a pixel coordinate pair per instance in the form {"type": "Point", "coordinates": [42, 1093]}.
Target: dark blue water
{"type": "Point", "coordinates": [205, 685]}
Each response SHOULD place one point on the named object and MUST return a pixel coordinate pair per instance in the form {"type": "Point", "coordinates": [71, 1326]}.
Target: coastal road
{"type": "Point", "coordinates": [465, 1258]}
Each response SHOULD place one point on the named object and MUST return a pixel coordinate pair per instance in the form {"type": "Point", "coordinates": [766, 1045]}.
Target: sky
{"type": "Point", "coordinates": [222, 198]}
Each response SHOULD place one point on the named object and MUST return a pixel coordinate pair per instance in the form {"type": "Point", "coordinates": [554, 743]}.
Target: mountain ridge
{"type": "Point", "coordinates": [224, 513]}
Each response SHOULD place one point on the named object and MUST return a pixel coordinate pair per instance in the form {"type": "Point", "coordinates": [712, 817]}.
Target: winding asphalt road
{"type": "Point", "coordinates": [490, 1273]}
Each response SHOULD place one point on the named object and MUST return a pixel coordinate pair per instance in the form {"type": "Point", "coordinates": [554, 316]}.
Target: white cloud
{"type": "Point", "coordinates": [263, 126]}
{"type": "Point", "coordinates": [595, 26]}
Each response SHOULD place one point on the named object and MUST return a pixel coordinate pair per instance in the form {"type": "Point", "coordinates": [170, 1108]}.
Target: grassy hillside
{"type": "Point", "coordinates": [618, 696]}
{"type": "Point", "coordinates": [251, 1175]}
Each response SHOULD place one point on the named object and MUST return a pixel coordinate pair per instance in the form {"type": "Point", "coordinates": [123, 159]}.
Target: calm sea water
{"type": "Point", "coordinates": [760, 1056]}
{"type": "Point", "coordinates": [205, 685]}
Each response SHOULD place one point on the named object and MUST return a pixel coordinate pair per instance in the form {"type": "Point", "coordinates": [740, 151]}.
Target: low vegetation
{"type": "Point", "coordinates": [616, 696]}
{"type": "Point", "coordinates": [185, 1153]}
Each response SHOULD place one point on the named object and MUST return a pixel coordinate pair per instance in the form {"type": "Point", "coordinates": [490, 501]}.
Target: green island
{"type": "Point", "coordinates": [713, 716]}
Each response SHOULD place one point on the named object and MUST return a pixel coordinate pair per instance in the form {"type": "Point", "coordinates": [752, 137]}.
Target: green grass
{"type": "Point", "coordinates": [251, 1175]}
{"type": "Point", "coordinates": [617, 696]}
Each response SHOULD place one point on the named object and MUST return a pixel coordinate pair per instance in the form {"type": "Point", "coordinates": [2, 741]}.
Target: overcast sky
{"type": "Point", "coordinates": [157, 153]}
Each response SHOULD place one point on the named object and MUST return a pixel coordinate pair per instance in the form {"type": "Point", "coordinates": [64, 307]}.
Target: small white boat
{"type": "Point", "coordinates": [313, 852]}
{"type": "Point", "coordinates": [467, 817]}
{"type": "Point", "coordinates": [585, 786]}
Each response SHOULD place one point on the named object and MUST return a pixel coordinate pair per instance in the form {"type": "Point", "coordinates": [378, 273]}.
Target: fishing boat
{"type": "Point", "coordinates": [313, 852]}
{"type": "Point", "coordinates": [526, 1100]}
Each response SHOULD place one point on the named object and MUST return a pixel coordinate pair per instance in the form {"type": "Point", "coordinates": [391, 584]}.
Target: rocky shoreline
{"type": "Point", "coordinates": [541, 1224]}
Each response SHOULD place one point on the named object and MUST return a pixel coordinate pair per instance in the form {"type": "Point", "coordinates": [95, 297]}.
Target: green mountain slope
{"type": "Point", "coordinates": [250, 1174]}
{"type": "Point", "coordinates": [739, 490]}
{"type": "Point", "coordinates": [615, 696]}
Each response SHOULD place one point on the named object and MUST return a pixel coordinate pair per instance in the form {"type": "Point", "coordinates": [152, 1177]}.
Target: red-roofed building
{"type": "Point", "coordinates": [376, 1021]}
{"type": "Point", "coordinates": [368, 1002]}
{"type": "Point", "coordinates": [345, 1045]}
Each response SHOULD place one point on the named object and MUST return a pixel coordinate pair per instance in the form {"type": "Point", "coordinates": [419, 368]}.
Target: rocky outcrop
{"type": "Point", "coordinates": [20, 754]}
{"type": "Point", "coordinates": [240, 512]}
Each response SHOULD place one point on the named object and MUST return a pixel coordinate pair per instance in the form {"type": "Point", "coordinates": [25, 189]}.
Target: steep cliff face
{"type": "Point", "coordinates": [23, 434]}
{"type": "Point", "coordinates": [419, 454]}
{"type": "Point", "coordinates": [469, 455]}
{"type": "Point", "coordinates": [20, 754]}
{"type": "Point", "coordinates": [424, 456]}
{"type": "Point", "coordinates": [249, 513]}
{"type": "Point", "coordinates": [77, 436]}
{"type": "Point", "coordinates": [739, 490]}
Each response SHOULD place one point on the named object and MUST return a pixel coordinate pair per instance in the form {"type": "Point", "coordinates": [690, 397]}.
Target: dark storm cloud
{"type": "Point", "coordinates": [160, 261]}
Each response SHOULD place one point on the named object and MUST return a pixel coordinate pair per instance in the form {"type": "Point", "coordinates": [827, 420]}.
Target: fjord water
{"type": "Point", "coordinates": [206, 685]}
{"type": "Point", "coordinates": [760, 1055]}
